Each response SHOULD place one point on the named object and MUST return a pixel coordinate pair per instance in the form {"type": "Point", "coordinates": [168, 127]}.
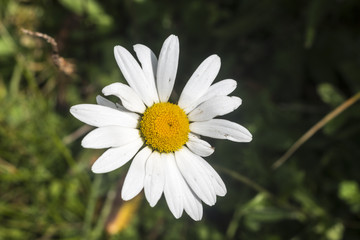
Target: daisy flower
{"type": "Point", "coordinates": [163, 138]}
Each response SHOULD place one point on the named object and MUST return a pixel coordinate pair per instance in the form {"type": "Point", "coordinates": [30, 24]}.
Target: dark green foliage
{"type": "Point", "coordinates": [294, 61]}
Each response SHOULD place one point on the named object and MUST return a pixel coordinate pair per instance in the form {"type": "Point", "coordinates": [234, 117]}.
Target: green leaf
{"type": "Point", "coordinates": [350, 193]}
{"type": "Point", "coordinates": [330, 94]}
{"type": "Point", "coordinates": [335, 232]}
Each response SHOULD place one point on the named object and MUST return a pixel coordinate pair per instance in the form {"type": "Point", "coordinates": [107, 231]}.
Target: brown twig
{"type": "Point", "coordinates": [6, 166]}
{"type": "Point", "coordinates": [76, 134]}
{"type": "Point", "coordinates": [315, 128]}
{"type": "Point", "coordinates": [64, 65]}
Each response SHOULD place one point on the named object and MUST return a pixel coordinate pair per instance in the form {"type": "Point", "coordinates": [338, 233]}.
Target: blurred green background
{"type": "Point", "coordinates": [295, 61]}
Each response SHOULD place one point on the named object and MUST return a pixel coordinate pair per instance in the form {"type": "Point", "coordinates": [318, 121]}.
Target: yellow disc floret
{"type": "Point", "coordinates": [165, 127]}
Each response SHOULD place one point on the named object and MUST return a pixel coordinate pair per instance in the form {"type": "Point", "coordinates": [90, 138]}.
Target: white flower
{"type": "Point", "coordinates": [164, 137]}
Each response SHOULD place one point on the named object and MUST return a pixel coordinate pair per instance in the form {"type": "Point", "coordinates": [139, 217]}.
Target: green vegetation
{"type": "Point", "coordinates": [295, 62]}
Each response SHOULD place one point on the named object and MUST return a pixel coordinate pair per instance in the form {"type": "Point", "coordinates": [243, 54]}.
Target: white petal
{"type": "Point", "coordinates": [214, 107]}
{"type": "Point", "coordinates": [134, 180]}
{"type": "Point", "coordinates": [167, 67]}
{"type": "Point", "coordinates": [133, 74]}
{"type": "Point", "coordinates": [221, 129]}
{"type": "Point", "coordinates": [192, 204]}
{"type": "Point", "coordinates": [149, 65]}
{"type": "Point", "coordinates": [99, 116]}
{"type": "Point", "coordinates": [200, 81]}
{"type": "Point", "coordinates": [221, 88]}
{"type": "Point", "coordinates": [219, 185]}
{"type": "Point", "coordinates": [154, 178]}
{"type": "Point", "coordinates": [129, 98]}
{"type": "Point", "coordinates": [199, 147]}
{"type": "Point", "coordinates": [177, 193]}
{"type": "Point", "coordinates": [110, 136]}
{"type": "Point", "coordinates": [195, 175]}
{"type": "Point", "coordinates": [105, 102]}
{"type": "Point", "coordinates": [114, 158]}
{"type": "Point", "coordinates": [173, 189]}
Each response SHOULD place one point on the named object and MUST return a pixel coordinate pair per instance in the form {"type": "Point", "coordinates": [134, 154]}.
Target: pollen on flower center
{"type": "Point", "coordinates": [165, 127]}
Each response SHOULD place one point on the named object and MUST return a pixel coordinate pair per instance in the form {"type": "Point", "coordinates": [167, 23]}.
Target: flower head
{"type": "Point", "coordinates": [163, 138]}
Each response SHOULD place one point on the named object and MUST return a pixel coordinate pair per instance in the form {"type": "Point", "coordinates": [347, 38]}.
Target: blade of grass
{"type": "Point", "coordinates": [15, 78]}
{"type": "Point", "coordinates": [245, 180]}
{"type": "Point", "coordinates": [90, 210]}
{"type": "Point", "coordinates": [100, 226]}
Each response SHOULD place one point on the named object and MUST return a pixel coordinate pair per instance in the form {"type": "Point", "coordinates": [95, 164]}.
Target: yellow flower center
{"type": "Point", "coordinates": [165, 127]}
